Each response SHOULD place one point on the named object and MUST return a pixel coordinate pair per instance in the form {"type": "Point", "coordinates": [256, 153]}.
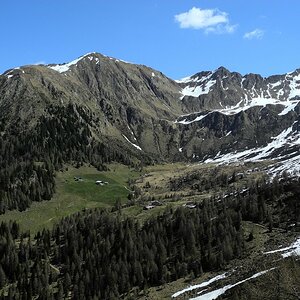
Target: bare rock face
{"type": "Point", "coordinates": [244, 115]}
{"type": "Point", "coordinates": [205, 115]}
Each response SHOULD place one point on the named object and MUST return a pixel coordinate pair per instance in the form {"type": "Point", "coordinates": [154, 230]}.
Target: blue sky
{"type": "Point", "coordinates": [176, 37]}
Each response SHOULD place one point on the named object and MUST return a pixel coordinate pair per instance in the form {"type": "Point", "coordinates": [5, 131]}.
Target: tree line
{"type": "Point", "coordinates": [29, 156]}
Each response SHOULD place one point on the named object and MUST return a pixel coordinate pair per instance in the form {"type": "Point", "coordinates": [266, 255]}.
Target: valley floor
{"type": "Point", "coordinates": [147, 193]}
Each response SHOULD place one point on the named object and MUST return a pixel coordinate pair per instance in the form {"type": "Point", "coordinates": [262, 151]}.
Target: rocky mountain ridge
{"type": "Point", "coordinates": [200, 118]}
{"type": "Point", "coordinates": [252, 117]}
{"type": "Point", "coordinates": [233, 89]}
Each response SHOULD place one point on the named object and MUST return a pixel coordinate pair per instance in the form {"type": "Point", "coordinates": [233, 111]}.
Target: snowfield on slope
{"type": "Point", "coordinates": [285, 91]}
{"type": "Point", "coordinates": [134, 145]}
{"type": "Point", "coordinates": [201, 285]}
{"type": "Point", "coordinates": [289, 163]}
{"type": "Point", "coordinates": [61, 68]}
{"type": "Point", "coordinates": [285, 137]}
{"type": "Point", "coordinates": [242, 106]}
{"type": "Point", "coordinates": [216, 293]}
{"type": "Point", "coordinates": [293, 249]}
{"type": "Point", "coordinates": [203, 88]}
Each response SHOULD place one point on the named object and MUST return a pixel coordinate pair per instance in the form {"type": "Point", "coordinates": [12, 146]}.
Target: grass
{"type": "Point", "coordinates": [157, 178]}
{"type": "Point", "coordinates": [87, 189]}
{"type": "Point", "coordinates": [142, 215]}
{"type": "Point", "coordinates": [72, 196]}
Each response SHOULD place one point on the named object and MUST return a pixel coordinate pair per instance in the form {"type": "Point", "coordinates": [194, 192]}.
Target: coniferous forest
{"type": "Point", "coordinates": [28, 161]}
{"type": "Point", "coordinates": [101, 254]}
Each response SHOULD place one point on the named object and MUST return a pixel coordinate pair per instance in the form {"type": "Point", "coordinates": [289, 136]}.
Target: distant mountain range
{"type": "Point", "coordinates": [212, 116]}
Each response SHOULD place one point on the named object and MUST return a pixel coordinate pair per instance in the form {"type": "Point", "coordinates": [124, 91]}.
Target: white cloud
{"type": "Point", "coordinates": [209, 20]}
{"type": "Point", "coordinates": [255, 34]}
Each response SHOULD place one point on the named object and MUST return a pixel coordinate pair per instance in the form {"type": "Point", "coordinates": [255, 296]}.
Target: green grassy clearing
{"type": "Point", "coordinates": [72, 196]}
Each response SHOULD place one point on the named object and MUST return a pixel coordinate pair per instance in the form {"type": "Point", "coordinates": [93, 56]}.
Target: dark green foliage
{"type": "Point", "coordinates": [276, 204]}
{"type": "Point", "coordinates": [200, 181]}
{"type": "Point", "coordinates": [29, 157]}
{"type": "Point", "coordinates": [97, 254]}
{"type": "Point", "coordinates": [100, 253]}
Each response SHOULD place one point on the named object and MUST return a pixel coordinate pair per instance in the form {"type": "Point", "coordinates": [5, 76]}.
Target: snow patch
{"type": "Point", "coordinates": [276, 84]}
{"type": "Point", "coordinates": [293, 249]}
{"type": "Point", "coordinates": [246, 104]}
{"type": "Point", "coordinates": [216, 293]}
{"type": "Point", "coordinates": [9, 74]}
{"type": "Point", "coordinates": [286, 136]}
{"type": "Point", "coordinates": [289, 162]}
{"type": "Point", "coordinates": [188, 79]}
{"type": "Point", "coordinates": [185, 121]}
{"type": "Point", "coordinates": [134, 145]}
{"type": "Point", "coordinates": [198, 90]}
{"type": "Point", "coordinates": [289, 108]}
{"type": "Point", "coordinates": [96, 59]}
{"type": "Point", "coordinates": [118, 60]}
{"type": "Point", "coordinates": [197, 286]}
{"type": "Point", "coordinates": [131, 132]}
{"type": "Point", "coordinates": [61, 68]}
{"type": "Point", "coordinates": [65, 67]}
{"type": "Point", "coordinates": [289, 165]}
{"type": "Point", "coordinates": [295, 87]}
{"type": "Point", "coordinates": [203, 88]}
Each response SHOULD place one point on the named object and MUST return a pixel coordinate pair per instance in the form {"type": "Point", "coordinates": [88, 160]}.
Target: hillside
{"type": "Point", "coordinates": [126, 101]}
{"type": "Point", "coordinates": [138, 107]}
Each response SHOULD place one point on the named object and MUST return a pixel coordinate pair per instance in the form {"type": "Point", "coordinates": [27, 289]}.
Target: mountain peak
{"type": "Point", "coordinates": [92, 56]}
{"type": "Point", "coordinates": [221, 73]}
{"type": "Point", "coordinates": [221, 69]}
{"type": "Point", "coordinates": [61, 68]}
{"type": "Point", "coordinates": [197, 77]}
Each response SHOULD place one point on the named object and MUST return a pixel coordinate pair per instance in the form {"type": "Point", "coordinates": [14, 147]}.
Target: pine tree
{"type": "Point", "coordinates": [2, 277]}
